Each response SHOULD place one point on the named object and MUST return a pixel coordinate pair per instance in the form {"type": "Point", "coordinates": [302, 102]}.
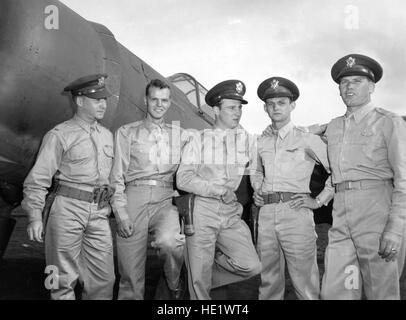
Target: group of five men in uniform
{"type": "Point", "coordinates": [365, 154]}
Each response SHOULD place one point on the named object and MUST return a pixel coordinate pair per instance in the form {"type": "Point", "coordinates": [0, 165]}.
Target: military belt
{"type": "Point", "coordinates": [277, 197]}
{"type": "Point", "coordinates": [360, 184]}
{"type": "Point", "coordinates": [100, 195]}
{"type": "Point", "coordinates": [155, 183]}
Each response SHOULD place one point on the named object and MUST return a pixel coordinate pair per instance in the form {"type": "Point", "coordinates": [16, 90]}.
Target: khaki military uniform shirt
{"type": "Point", "coordinates": [144, 151]}
{"type": "Point", "coordinates": [215, 157]}
{"type": "Point", "coordinates": [286, 162]}
{"type": "Point", "coordinates": [371, 144]}
{"type": "Point", "coordinates": [77, 153]}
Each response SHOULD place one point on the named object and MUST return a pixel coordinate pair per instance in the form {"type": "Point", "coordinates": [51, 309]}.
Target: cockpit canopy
{"type": "Point", "coordinates": [194, 91]}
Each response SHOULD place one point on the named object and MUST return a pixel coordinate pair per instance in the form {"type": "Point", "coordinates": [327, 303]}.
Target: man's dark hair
{"type": "Point", "coordinates": [156, 83]}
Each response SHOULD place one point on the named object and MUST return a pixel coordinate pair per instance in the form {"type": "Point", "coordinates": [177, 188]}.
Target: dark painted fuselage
{"type": "Point", "coordinates": [36, 63]}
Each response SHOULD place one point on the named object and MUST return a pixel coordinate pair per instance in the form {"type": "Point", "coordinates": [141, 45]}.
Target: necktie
{"type": "Point", "coordinates": [95, 140]}
{"type": "Point", "coordinates": [162, 147]}
{"type": "Point", "coordinates": [276, 135]}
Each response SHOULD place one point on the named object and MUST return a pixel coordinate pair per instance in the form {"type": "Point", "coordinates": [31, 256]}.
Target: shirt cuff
{"type": "Point", "coordinates": [34, 215]}
{"type": "Point", "coordinates": [257, 187]}
{"type": "Point", "coordinates": [325, 196]}
{"type": "Point", "coordinates": [120, 214]}
{"type": "Point", "coordinates": [395, 225]}
{"type": "Point", "coordinates": [213, 192]}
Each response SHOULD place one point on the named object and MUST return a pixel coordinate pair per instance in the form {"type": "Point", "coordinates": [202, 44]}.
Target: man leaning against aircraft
{"type": "Point", "coordinates": [213, 163]}
{"type": "Point", "coordinates": [147, 155]}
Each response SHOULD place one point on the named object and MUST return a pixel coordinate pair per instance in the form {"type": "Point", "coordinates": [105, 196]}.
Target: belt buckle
{"type": "Point", "coordinates": [103, 197]}
{"type": "Point", "coordinates": [96, 194]}
{"type": "Point", "coordinates": [153, 183]}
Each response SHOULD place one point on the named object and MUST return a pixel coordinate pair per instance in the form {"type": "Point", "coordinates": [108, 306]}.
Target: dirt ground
{"type": "Point", "coordinates": [22, 270]}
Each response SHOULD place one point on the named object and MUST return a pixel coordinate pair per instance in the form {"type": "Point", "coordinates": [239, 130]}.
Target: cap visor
{"type": "Point", "coordinates": [277, 95]}
{"type": "Point", "coordinates": [234, 97]}
{"type": "Point", "coordinates": [103, 94]}
{"type": "Point", "coordinates": [349, 73]}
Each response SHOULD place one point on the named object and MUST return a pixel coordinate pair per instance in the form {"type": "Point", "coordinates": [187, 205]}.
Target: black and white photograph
{"type": "Point", "coordinates": [224, 150]}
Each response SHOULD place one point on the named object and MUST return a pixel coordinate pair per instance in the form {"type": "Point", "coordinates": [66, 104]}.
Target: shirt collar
{"type": "Point", "coordinates": [239, 132]}
{"type": "Point", "coordinates": [360, 113]}
{"type": "Point", "coordinates": [283, 132]}
{"type": "Point", "coordinates": [152, 125]}
{"type": "Point", "coordinates": [86, 125]}
{"type": "Point", "coordinates": [224, 132]}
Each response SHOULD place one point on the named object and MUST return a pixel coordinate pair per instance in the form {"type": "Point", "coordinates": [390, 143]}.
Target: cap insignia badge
{"type": "Point", "coordinates": [101, 81]}
{"type": "Point", "coordinates": [274, 84]}
{"type": "Point", "coordinates": [239, 87]}
{"type": "Point", "coordinates": [350, 62]}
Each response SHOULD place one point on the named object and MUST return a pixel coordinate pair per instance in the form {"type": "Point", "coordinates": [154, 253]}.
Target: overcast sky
{"type": "Point", "coordinates": [252, 40]}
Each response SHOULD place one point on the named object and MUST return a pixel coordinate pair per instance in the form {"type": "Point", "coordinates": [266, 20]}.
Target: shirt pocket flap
{"type": "Point", "coordinates": [80, 151]}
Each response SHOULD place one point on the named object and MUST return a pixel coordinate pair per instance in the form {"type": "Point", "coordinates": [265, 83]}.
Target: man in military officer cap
{"type": "Point", "coordinates": [367, 154]}
{"type": "Point", "coordinates": [78, 155]}
{"type": "Point", "coordinates": [286, 232]}
{"type": "Point", "coordinates": [213, 163]}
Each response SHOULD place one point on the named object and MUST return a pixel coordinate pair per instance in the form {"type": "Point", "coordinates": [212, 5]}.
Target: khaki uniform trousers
{"type": "Point", "coordinates": [352, 262]}
{"type": "Point", "coordinates": [151, 211]}
{"type": "Point", "coordinates": [78, 242]}
{"type": "Point", "coordinates": [221, 250]}
{"type": "Point", "coordinates": [287, 235]}
{"type": "Point", "coordinates": [402, 255]}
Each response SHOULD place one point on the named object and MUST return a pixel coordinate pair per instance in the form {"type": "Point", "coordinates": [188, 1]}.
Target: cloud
{"type": "Point", "coordinates": [234, 21]}
{"type": "Point", "coordinates": [215, 40]}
